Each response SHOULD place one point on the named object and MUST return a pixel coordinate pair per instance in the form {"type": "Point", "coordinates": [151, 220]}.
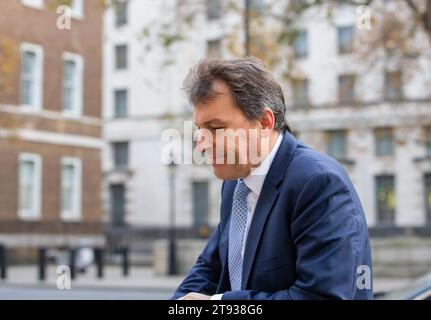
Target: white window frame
{"type": "Point", "coordinates": [77, 9]}
{"type": "Point", "coordinates": [39, 4]}
{"type": "Point", "coordinates": [76, 111]}
{"type": "Point", "coordinates": [35, 212]}
{"type": "Point", "coordinates": [75, 213]}
{"type": "Point", "coordinates": [38, 88]}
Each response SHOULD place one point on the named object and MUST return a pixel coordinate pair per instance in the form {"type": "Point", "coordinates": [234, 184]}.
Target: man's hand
{"type": "Point", "coordinates": [195, 296]}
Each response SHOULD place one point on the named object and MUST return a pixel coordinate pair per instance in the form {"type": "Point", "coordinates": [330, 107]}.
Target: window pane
{"type": "Point", "coordinates": [121, 13]}
{"type": "Point", "coordinates": [213, 48]}
{"type": "Point", "coordinates": [346, 88]}
{"type": "Point", "coordinates": [428, 197]}
{"type": "Point", "coordinates": [257, 5]}
{"type": "Point", "coordinates": [300, 92]}
{"type": "Point", "coordinates": [213, 9]}
{"type": "Point", "coordinates": [345, 39]}
{"type": "Point", "coordinates": [300, 44]}
{"type": "Point", "coordinates": [393, 85]}
{"type": "Point", "coordinates": [26, 185]}
{"type": "Point", "coordinates": [384, 142]}
{"type": "Point", "coordinates": [69, 83]}
{"type": "Point", "coordinates": [68, 187]}
{"type": "Point", "coordinates": [121, 156]}
{"type": "Point", "coordinates": [386, 199]}
{"type": "Point", "coordinates": [28, 78]}
{"type": "Point", "coordinates": [337, 144]}
{"type": "Point", "coordinates": [121, 57]}
{"type": "Point", "coordinates": [118, 204]}
{"type": "Point", "coordinates": [121, 97]}
{"type": "Point", "coordinates": [428, 142]}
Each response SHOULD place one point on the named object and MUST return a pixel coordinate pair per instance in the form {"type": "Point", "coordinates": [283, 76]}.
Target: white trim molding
{"type": "Point", "coordinates": [51, 115]}
{"type": "Point", "coordinates": [38, 4]}
{"type": "Point", "coordinates": [60, 139]}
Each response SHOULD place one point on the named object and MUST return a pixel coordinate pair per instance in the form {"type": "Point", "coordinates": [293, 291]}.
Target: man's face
{"type": "Point", "coordinates": [221, 113]}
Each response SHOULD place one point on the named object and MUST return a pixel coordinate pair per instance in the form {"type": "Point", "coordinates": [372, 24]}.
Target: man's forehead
{"type": "Point", "coordinates": [201, 118]}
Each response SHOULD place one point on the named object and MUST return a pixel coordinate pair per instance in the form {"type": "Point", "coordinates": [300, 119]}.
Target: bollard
{"type": "Point", "coordinates": [42, 264]}
{"type": "Point", "coordinates": [98, 257]}
{"type": "Point", "coordinates": [3, 262]}
{"type": "Point", "coordinates": [125, 253]}
{"type": "Point", "coordinates": [72, 263]}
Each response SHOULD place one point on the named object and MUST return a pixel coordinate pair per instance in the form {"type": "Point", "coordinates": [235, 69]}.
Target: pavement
{"type": "Point", "coordinates": [139, 280]}
{"type": "Point", "coordinates": [141, 283]}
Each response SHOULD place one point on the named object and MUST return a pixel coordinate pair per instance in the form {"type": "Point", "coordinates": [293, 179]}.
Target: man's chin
{"type": "Point", "coordinates": [224, 172]}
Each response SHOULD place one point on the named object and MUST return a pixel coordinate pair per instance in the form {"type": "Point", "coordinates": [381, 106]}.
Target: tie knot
{"type": "Point", "coordinates": [241, 190]}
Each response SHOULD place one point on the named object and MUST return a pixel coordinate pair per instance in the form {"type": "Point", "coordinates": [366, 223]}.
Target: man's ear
{"type": "Point", "coordinates": [267, 121]}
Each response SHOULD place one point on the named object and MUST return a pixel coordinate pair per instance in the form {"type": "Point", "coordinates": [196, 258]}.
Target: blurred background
{"type": "Point", "coordinates": [88, 86]}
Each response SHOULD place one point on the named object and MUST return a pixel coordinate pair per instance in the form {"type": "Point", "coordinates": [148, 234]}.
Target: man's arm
{"type": "Point", "coordinates": [325, 233]}
{"type": "Point", "coordinates": [205, 274]}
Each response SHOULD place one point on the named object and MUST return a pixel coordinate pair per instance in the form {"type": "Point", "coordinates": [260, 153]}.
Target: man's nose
{"type": "Point", "coordinates": [203, 143]}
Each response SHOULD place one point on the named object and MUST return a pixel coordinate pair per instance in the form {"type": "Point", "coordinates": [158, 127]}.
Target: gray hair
{"type": "Point", "coordinates": [251, 85]}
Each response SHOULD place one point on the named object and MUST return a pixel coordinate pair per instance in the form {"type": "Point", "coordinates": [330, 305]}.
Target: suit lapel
{"type": "Point", "coordinates": [266, 202]}
{"type": "Point", "coordinates": [263, 208]}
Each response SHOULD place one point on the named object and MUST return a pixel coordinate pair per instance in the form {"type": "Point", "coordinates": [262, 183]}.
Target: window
{"type": "Point", "coordinates": [300, 45]}
{"type": "Point", "coordinates": [77, 8]}
{"type": "Point", "coordinates": [30, 185]}
{"type": "Point", "coordinates": [384, 142]}
{"type": "Point", "coordinates": [428, 141]}
{"type": "Point", "coordinates": [337, 143]}
{"type": "Point", "coordinates": [300, 92]}
{"type": "Point", "coordinates": [70, 197]}
{"type": "Point", "coordinates": [31, 76]}
{"type": "Point", "coordinates": [121, 154]}
{"type": "Point", "coordinates": [121, 57]}
{"type": "Point", "coordinates": [72, 84]}
{"type": "Point", "coordinates": [427, 180]}
{"type": "Point", "coordinates": [386, 199]}
{"type": "Point", "coordinates": [346, 89]}
{"type": "Point", "coordinates": [118, 205]}
{"type": "Point", "coordinates": [257, 5]}
{"type": "Point", "coordinates": [200, 204]}
{"type": "Point", "coordinates": [393, 86]}
{"type": "Point", "coordinates": [213, 48]}
{"type": "Point", "coordinates": [120, 106]}
{"type": "Point", "coordinates": [345, 39]}
{"type": "Point", "coordinates": [33, 3]}
{"type": "Point", "coordinates": [297, 5]}
{"type": "Point", "coordinates": [121, 13]}
{"type": "Point", "coordinates": [213, 9]}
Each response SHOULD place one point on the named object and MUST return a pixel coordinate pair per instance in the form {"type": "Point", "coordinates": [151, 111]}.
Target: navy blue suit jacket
{"type": "Point", "coordinates": [308, 238]}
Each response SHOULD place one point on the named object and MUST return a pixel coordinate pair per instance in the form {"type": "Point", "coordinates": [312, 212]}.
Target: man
{"type": "Point", "coordinates": [291, 226]}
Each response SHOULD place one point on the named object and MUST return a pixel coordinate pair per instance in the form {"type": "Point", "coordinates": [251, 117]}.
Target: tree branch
{"type": "Point", "coordinates": [413, 6]}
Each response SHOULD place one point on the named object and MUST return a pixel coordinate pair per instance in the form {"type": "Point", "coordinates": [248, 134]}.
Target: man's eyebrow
{"type": "Point", "coordinates": [214, 121]}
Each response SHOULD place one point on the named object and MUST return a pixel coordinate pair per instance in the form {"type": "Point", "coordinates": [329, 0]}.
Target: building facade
{"type": "Point", "coordinates": [142, 98]}
{"type": "Point", "coordinates": [50, 147]}
{"type": "Point", "coordinates": [374, 121]}
{"type": "Point", "coordinates": [372, 115]}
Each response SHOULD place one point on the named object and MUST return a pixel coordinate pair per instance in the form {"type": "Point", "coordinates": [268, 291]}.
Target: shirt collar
{"type": "Point", "coordinates": [257, 176]}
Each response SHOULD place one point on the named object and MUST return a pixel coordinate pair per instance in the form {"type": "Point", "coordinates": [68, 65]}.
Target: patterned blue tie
{"type": "Point", "coordinates": [237, 226]}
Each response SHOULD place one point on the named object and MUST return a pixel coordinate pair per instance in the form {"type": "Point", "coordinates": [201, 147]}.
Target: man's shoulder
{"type": "Point", "coordinates": [307, 164]}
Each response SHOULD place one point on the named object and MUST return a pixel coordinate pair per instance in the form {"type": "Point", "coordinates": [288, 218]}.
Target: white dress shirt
{"type": "Point", "coordinates": [254, 181]}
